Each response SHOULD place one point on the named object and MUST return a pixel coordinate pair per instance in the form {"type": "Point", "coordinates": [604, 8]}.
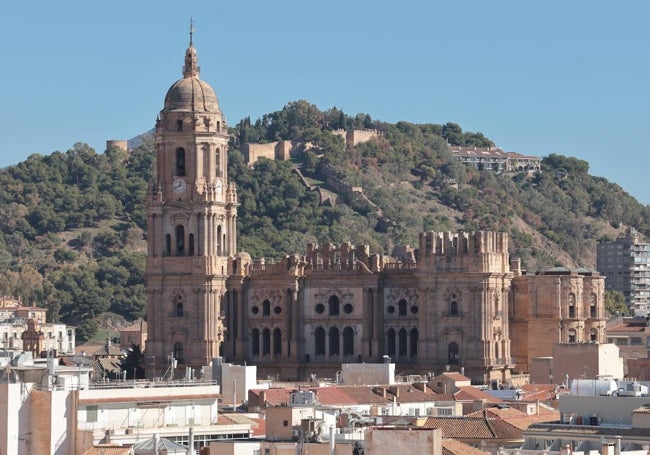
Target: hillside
{"type": "Point", "coordinates": [72, 224]}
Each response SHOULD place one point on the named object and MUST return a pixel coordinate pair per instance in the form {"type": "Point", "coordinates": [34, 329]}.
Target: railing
{"type": "Point", "coordinates": [531, 452]}
{"type": "Point", "coordinates": [145, 383]}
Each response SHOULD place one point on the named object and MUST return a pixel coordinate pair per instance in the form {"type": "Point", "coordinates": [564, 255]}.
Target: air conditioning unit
{"type": "Point", "coordinates": [128, 431]}
{"type": "Point", "coordinates": [295, 434]}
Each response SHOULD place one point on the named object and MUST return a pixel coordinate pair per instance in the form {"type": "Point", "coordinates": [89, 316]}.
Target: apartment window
{"type": "Point", "coordinates": [636, 341]}
{"type": "Point", "coordinates": [91, 414]}
{"type": "Point", "coordinates": [285, 423]}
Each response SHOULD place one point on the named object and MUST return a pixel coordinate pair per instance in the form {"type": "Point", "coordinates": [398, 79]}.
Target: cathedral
{"type": "Point", "coordinates": [458, 301]}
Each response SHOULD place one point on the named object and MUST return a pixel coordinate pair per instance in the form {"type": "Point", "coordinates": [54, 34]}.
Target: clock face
{"type": "Point", "coordinates": [179, 185]}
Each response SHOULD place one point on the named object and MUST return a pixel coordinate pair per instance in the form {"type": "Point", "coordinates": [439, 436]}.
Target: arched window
{"type": "Point", "coordinates": [334, 342]}
{"type": "Point", "coordinates": [168, 245]}
{"type": "Point", "coordinates": [255, 342]}
{"type": "Point", "coordinates": [277, 342]}
{"type": "Point", "coordinates": [593, 335]}
{"type": "Point", "coordinates": [334, 304]}
{"type": "Point", "coordinates": [452, 353]}
{"type": "Point", "coordinates": [180, 162]}
{"type": "Point", "coordinates": [390, 342]}
{"type": "Point", "coordinates": [414, 342]}
{"type": "Point", "coordinates": [319, 341]}
{"type": "Point", "coordinates": [403, 343]}
{"type": "Point", "coordinates": [266, 308]}
{"type": "Point", "coordinates": [266, 342]}
{"type": "Point", "coordinates": [218, 159]}
{"type": "Point", "coordinates": [180, 240]}
{"type": "Point", "coordinates": [191, 246]}
{"type": "Point", "coordinates": [218, 240]}
{"type": "Point", "coordinates": [179, 125]}
{"type": "Point", "coordinates": [179, 309]}
{"type": "Point", "coordinates": [348, 341]}
{"type": "Point", "coordinates": [572, 336]}
{"type": "Point", "coordinates": [453, 308]}
{"type": "Point", "coordinates": [178, 351]}
{"type": "Point", "coordinates": [496, 350]}
{"type": "Point", "coordinates": [401, 308]}
{"type": "Point", "coordinates": [593, 311]}
{"type": "Point", "coordinates": [572, 306]}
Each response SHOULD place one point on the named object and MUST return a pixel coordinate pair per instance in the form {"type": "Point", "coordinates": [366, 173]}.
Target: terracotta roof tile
{"type": "Point", "coordinates": [469, 393]}
{"type": "Point", "coordinates": [259, 428]}
{"type": "Point", "coordinates": [273, 397]}
{"type": "Point", "coordinates": [520, 419]}
{"type": "Point", "coordinates": [461, 427]}
{"type": "Point", "coordinates": [542, 392]}
{"type": "Point", "coordinates": [478, 426]}
{"type": "Point", "coordinates": [626, 327]}
{"type": "Point", "coordinates": [333, 396]}
{"type": "Point", "coordinates": [406, 393]}
{"type": "Point", "coordinates": [454, 447]}
{"type": "Point", "coordinates": [456, 376]}
{"type": "Point", "coordinates": [366, 394]}
{"type": "Point", "coordinates": [137, 326]}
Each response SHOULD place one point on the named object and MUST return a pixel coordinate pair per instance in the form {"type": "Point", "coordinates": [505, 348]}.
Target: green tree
{"type": "Point", "coordinates": [615, 304]}
{"type": "Point", "coordinates": [132, 362]}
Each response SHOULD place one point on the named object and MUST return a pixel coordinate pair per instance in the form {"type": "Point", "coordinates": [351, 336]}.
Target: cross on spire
{"type": "Point", "coordinates": [191, 30]}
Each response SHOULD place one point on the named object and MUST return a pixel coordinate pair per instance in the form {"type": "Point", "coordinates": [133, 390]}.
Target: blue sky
{"type": "Point", "coordinates": [536, 77]}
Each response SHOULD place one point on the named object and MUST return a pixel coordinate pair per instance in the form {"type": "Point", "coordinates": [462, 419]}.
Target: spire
{"type": "Point", "coordinates": [191, 68]}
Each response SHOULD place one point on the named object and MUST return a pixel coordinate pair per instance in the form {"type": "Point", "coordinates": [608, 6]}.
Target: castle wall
{"type": "Point", "coordinates": [253, 152]}
{"type": "Point", "coordinates": [354, 137]}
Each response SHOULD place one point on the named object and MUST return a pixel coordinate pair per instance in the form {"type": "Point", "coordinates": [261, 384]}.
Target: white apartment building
{"type": "Point", "coordinates": [59, 411]}
{"type": "Point", "coordinates": [625, 264]}
{"type": "Point", "coordinates": [57, 338]}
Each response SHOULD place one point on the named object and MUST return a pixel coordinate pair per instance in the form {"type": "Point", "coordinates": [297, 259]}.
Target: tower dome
{"type": "Point", "coordinates": [190, 93]}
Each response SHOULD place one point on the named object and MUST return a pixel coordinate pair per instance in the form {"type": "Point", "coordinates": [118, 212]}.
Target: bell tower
{"type": "Point", "coordinates": [191, 227]}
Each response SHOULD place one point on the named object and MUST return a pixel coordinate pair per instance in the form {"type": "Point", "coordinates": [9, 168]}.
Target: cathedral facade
{"type": "Point", "coordinates": [457, 301]}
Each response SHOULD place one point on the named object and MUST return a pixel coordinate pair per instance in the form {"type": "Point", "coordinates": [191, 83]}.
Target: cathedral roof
{"type": "Point", "coordinates": [191, 93]}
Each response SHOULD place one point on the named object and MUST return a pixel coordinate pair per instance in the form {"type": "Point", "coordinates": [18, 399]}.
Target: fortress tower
{"type": "Point", "coordinates": [191, 217]}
